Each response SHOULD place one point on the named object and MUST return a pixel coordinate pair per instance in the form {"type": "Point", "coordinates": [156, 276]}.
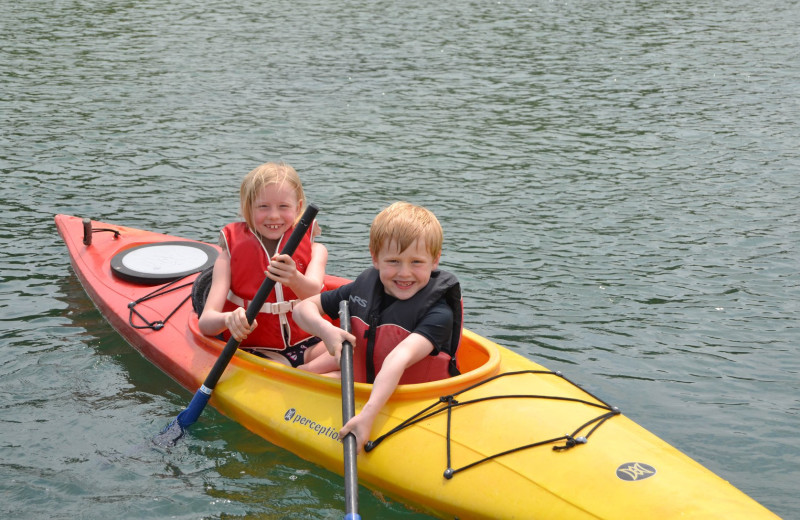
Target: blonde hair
{"type": "Point", "coordinates": [263, 176]}
{"type": "Point", "coordinates": [404, 223]}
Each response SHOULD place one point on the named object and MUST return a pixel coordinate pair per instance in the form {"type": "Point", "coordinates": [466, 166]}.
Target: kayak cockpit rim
{"type": "Point", "coordinates": [478, 357]}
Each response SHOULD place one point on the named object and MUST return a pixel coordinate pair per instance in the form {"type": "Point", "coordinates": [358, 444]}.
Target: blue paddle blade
{"type": "Point", "coordinates": [192, 412]}
{"type": "Point", "coordinates": [352, 516]}
{"type": "Point", "coordinates": [169, 436]}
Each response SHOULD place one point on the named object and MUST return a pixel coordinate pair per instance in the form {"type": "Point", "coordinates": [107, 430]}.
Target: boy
{"type": "Point", "coordinates": [405, 313]}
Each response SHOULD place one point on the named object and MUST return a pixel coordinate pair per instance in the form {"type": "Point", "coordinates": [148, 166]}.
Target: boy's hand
{"type": "Point", "coordinates": [236, 323]}
{"type": "Point", "coordinates": [333, 337]}
{"type": "Point", "coordinates": [282, 269]}
{"type": "Point", "coordinates": [360, 426]}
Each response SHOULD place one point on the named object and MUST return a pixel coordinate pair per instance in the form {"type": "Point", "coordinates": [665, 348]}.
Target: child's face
{"type": "Point", "coordinates": [404, 274]}
{"type": "Point", "coordinates": [275, 210]}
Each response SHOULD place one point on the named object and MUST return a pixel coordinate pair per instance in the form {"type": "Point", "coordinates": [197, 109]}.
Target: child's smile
{"type": "Point", "coordinates": [275, 210]}
{"type": "Point", "coordinates": [403, 274]}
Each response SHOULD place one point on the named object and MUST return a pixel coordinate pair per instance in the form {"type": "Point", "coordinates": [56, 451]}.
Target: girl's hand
{"type": "Point", "coordinates": [236, 323]}
{"type": "Point", "coordinates": [282, 269]}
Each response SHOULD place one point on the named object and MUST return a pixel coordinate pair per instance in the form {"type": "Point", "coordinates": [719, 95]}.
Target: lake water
{"type": "Point", "coordinates": [618, 182]}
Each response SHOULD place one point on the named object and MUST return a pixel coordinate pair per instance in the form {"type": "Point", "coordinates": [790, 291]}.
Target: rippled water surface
{"type": "Point", "coordinates": [618, 183]}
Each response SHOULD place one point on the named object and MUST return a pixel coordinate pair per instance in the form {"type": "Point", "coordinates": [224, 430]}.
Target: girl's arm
{"type": "Point", "coordinates": [213, 321]}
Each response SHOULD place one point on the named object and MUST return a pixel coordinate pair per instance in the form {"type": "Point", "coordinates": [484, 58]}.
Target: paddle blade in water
{"type": "Point", "coordinates": [169, 436]}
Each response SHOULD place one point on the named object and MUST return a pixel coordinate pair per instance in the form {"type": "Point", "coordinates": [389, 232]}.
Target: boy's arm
{"type": "Point", "coordinates": [409, 351]}
{"type": "Point", "coordinates": [308, 315]}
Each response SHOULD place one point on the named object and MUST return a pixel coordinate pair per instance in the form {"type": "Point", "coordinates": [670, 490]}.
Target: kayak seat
{"type": "Point", "coordinates": [424, 371]}
{"type": "Point", "coordinates": [471, 355]}
{"type": "Point", "coordinates": [200, 288]}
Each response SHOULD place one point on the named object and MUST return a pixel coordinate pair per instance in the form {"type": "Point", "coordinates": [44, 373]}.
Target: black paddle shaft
{"type": "Point", "coordinates": [348, 411]}
{"type": "Point", "coordinates": [261, 296]}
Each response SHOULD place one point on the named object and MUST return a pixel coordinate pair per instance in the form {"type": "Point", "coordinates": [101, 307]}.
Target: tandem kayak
{"type": "Point", "coordinates": [506, 439]}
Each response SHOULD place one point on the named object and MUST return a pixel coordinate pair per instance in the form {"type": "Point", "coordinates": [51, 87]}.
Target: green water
{"type": "Point", "coordinates": [618, 183]}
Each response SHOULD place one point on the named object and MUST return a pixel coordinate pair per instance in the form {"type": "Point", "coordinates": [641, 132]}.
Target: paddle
{"type": "Point", "coordinates": [175, 430]}
{"type": "Point", "coordinates": [348, 411]}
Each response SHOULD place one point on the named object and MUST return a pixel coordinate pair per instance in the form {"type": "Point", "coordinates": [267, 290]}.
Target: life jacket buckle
{"type": "Point", "coordinates": [279, 307]}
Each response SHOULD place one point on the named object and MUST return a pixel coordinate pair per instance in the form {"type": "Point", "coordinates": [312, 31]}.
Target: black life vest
{"type": "Point", "coordinates": [378, 332]}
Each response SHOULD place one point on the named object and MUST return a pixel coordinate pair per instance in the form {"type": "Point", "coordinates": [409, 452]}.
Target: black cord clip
{"type": "Point", "coordinates": [571, 442]}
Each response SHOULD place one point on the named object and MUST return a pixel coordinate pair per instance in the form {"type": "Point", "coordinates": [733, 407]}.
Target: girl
{"type": "Point", "coordinates": [272, 201]}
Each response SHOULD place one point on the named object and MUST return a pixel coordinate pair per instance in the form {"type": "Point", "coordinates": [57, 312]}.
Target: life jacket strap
{"type": "Point", "coordinates": [268, 308]}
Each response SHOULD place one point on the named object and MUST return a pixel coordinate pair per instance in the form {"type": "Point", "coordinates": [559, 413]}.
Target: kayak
{"type": "Point", "coordinates": [507, 438]}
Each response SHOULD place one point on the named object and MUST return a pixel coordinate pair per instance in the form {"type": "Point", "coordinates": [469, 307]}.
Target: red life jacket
{"type": "Point", "coordinates": [249, 260]}
{"type": "Point", "coordinates": [377, 333]}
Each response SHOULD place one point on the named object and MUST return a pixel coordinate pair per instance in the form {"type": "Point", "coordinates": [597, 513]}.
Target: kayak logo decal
{"type": "Point", "coordinates": [635, 471]}
{"type": "Point", "coordinates": [292, 417]}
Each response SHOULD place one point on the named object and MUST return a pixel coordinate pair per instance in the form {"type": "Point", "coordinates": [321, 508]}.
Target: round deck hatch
{"type": "Point", "coordinates": [162, 262]}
